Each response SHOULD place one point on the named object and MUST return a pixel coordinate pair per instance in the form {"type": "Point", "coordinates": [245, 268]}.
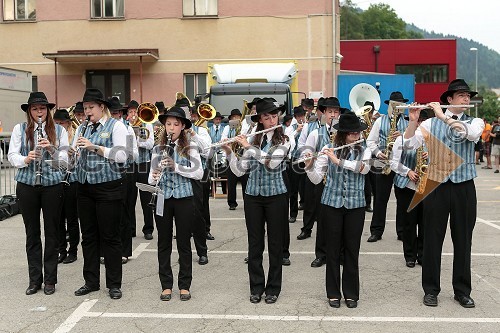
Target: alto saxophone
{"type": "Point", "coordinates": [390, 141]}
{"type": "Point", "coordinates": [421, 170]}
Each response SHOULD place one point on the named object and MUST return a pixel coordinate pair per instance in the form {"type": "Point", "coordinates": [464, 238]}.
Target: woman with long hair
{"type": "Point", "coordinates": [265, 197]}
{"type": "Point", "coordinates": [174, 163]}
{"type": "Point", "coordinates": [343, 206]}
{"type": "Point", "coordinates": [31, 144]}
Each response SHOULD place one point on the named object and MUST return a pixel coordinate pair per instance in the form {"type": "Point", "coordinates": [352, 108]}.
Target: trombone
{"type": "Point", "coordinates": [147, 113]}
{"type": "Point", "coordinates": [205, 112]}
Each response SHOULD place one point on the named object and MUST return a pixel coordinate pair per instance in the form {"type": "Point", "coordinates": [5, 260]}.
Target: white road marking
{"type": "Point", "coordinates": [487, 223]}
{"type": "Point", "coordinates": [139, 249]}
{"type": "Point", "coordinates": [81, 311]}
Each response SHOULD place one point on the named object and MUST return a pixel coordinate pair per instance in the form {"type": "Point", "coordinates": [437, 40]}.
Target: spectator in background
{"type": "Point", "coordinates": [495, 148]}
{"type": "Point", "coordinates": [486, 144]}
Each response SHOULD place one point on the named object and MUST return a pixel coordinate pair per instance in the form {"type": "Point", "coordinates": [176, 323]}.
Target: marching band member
{"type": "Point", "coordinates": [265, 198]}
{"type": "Point", "coordinates": [39, 187]}
{"type": "Point", "coordinates": [377, 142]}
{"type": "Point", "coordinates": [455, 197]}
{"type": "Point", "coordinates": [100, 192]}
{"type": "Point", "coordinates": [69, 212]}
{"type": "Point", "coordinates": [78, 112]}
{"type": "Point", "coordinates": [173, 173]}
{"type": "Point", "coordinates": [343, 207]}
{"type": "Point", "coordinates": [116, 110]}
{"type": "Point", "coordinates": [247, 125]}
{"type": "Point", "coordinates": [217, 156]}
{"type": "Point", "coordinates": [232, 180]}
{"type": "Point", "coordinates": [403, 163]}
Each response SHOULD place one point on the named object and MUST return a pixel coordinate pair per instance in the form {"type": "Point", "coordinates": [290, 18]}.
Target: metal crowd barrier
{"type": "Point", "coordinates": [7, 172]}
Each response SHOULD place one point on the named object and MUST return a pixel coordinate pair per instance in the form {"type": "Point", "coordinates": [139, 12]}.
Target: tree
{"type": "Point", "coordinates": [381, 22]}
{"type": "Point", "coordinates": [490, 109]}
{"type": "Point", "coordinates": [351, 26]}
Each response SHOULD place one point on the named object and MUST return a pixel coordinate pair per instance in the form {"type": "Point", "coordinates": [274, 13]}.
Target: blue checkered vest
{"type": "Point", "coordinates": [343, 187]}
{"type": "Point", "coordinates": [173, 184]}
{"type": "Point", "coordinates": [216, 137]}
{"type": "Point", "coordinates": [96, 169]}
{"type": "Point", "coordinates": [296, 152]}
{"type": "Point", "coordinates": [408, 159]}
{"type": "Point", "coordinates": [311, 126]}
{"type": "Point", "coordinates": [385, 126]}
{"type": "Point", "coordinates": [26, 175]}
{"type": "Point", "coordinates": [264, 181]}
{"type": "Point", "coordinates": [144, 154]}
{"type": "Point", "coordinates": [462, 147]}
{"type": "Point", "coordinates": [323, 138]}
{"type": "Point", "coordinates": [203, 159]}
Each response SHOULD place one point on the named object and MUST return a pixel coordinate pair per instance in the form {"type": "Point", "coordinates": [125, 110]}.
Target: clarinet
{"type": "Point", "coordinates": [83, 129]}
{"type": "Point", "coordinates": [38, 171]}
{"type": "Point", "coordinates": [168, 151]}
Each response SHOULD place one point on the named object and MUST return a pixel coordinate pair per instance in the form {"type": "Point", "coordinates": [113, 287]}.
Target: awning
{"type": "Point", "coordinates": [113, 55]}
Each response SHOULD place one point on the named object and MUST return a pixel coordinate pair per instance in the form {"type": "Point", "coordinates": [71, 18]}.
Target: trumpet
{"type": "Point", "coordinates": [322, 153]}
{"type": "Point", "coordinates": [221, 143]}
{"type": "Point", "coordinates": [38, 171]}
{"type": "Point", "coordinates": [205, 112]}
{"type": "Point", "coordinates": [423, 106]}
{"type": "Point", "coordinates": [168, 151]}
{"type": "Point", "coordinates": [69, 171]}
{"type": "Point", "coordinates": [147, 113]}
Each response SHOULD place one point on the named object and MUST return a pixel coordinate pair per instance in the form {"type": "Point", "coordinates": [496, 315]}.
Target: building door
{"type": "Point", "coordinates": [111, 83]}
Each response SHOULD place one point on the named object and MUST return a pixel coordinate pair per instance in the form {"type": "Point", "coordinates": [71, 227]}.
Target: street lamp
{"type": "Point", "coordinates": [474, 49]}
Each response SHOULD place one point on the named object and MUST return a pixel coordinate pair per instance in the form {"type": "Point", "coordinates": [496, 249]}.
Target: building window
{"type": "Point", "coordinates": [195, 84]}
{"type": "Point", "coordinates": [199, 7]}
{"type": "Point", "coordinates": [107, 8]}
{"type": "Point", "coordinates": [34, 83]}
{"type": "Point", "coordinates": [425, 73]}
{"type": "Point", "coordinates": [19, 10]}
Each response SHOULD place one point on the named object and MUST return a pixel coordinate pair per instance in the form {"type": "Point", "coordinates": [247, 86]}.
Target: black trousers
{"type": "Point", "coordinates": [260, 211]}
{"type": "Point", "coordinates": [297, 177]}
{"type": "Point", "coordinates": [182, 210]}
{"type": "Point", "coordinates": [383, 186]}
{"type": "Point", "coordinates": [48, 199]}
{"type": "Point", "coordinates": [459, 202]}
{"type": "Point", "coordinates": [232, 181]}
{"type": "Point", "coordinates": [99, 212]}
{"type": "Point", "coordinates": [413, 235]}
{"type": "Point", "coordinates": [205, 183]}
{"type": "Point", "coordinates": [125, 230]}
{"type": "Point", "coordinates": [139, 173]}
{"type": "Point", "coordinates": [69, 221]}
{"type": "Point", "coordinates": [199, 224]}
{"type": "Point", "coordinates": [286, 225]}
{"type": "Point", "coordinates": [310, 206]}
{"type": "Point", "coordinates": [344, 228]}
{"type": "Point", "coordinates": [370, 188]}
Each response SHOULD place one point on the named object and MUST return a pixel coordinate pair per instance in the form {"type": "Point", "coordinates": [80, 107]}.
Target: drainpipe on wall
{"type": "Point", "coordinates": [140, 74]}
{"type": "Point", "coordinates": [55, 83]}
{"type": "Point", "coordinates": [376, 51]}
{"type": "Point", "coordinates": [336, 57]}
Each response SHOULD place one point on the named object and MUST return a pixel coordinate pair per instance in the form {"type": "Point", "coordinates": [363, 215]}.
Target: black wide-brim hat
{"type": "Point", "coordinates": [94, 95]}
{"type": "Point", "coordinates": [252, 103]}
{"type": "Point", "coordinates": [37, 97]}
{"type": "Point", "coordinates": [266, 105]}
{"type": "Point", "coordinates": [132, 105]}
{"type": "Point", "coordinates": [349, 122]}
{"type": "Point", "coordinates": [396, 96]}
{"type": "Point", "coordinates": [115, 105]}
{"type": "Point", "coordinates": [320, 106]}
{"type": "Point", "coordinates": [453, 87]}
{"type": "Point", "coordinates": [218, 115]}
{"type": "Point", "coordinates": [61, 114]}
{"type": "Point", "coordinates": [235, 112]}
{"type": "Point", "coordinates": [331, 102]}
{"type": "Point", "coordinates": [176, 112]}
{"type": "Point", "coordinates": [160, 106]}
{"type": "Point", "coordinates": [307, 102]}
{"type": "Point", "coordinates": [78, 107]}
{"type": "Point", "coordinates": [298, 111]}
{"type": "Point", "coordinates": [287, 118]}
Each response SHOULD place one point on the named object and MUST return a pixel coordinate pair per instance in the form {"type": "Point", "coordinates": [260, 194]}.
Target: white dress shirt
{"type": "Point", "coordinates": [239, 167]}
{"type": "Point", "coordinates": [396, 164]}
{"type": "Point", "coordinates": [317, 173]}
{"type": "Point", "coordinates": [374, 138]}
{"type": "Point", "coordinates": [17, 160]}
{"type": "Point", "coordinates": [194, 171]}
{"type": "Point", "coordinates": [203, 140]}
{"type": "Point", "coordinates": [149, 142]}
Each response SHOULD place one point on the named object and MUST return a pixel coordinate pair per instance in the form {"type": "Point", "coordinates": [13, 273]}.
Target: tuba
{"type": "Point", "coordinates": [147, 113]}
{"type": "Point", "coordinates": [361, 93]}
{"type": "Point", "coordinates": [205, 112]}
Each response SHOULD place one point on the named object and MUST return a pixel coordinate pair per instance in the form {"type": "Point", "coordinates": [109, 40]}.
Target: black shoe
{"type": "Point", "coordinates": [292, 220]}
{"type": "Point", "coordinates": [32, 289]}
{"type": "Point", "coordinates": [419, 262]}
{"type": "Point", "coordinates": [246, 260]}
{"type": "Point", "coordinates": [373, 238]}
{"type": "Point", "coordinates": [185, 297]}
{"type": "Point", "coordinates": [49, 289]}
{"type": "Point", "coordinates": [465, 301]}
{"type": "Point", "coordinates": [270, 299]}
{"type": "Point", "coordinates": [209, 236]}
{"type": "Point", "coordinates": [232, 207]}
{"type": "Point", "coordinates": [255, 298]}
{"type": "Point", "coordinates": [300, 207]}
{"type": "Point", "coordinates": [410, 264]}
{"type": "Point", "coordinates": [101, 260]}
{"type": "Point", "coordinates": [369, 209]}
{"type": "Point", "coordinates": [166, 297]}
{"type": "Point", "coordinates": [124, 260]}
{"type": "Point", "coordinates": [286, 262]}
{"type": "Point", "coordinates": [70, 258]}
{"type": "Point", "coordinates": [84, 290]}
{"type": "Point", "coordinates": [115, 293]}
{"type": "Point", "coordinates": [334, 303]}
{"type": "Point", "coordinates": [430, 300]}
{"type": "Point", "coordinates": [351, 304]}
{"type": "Point", "coordinates": [304, 235]}
{"type": "Point", "coordinates": [318, 262]}
{"type": "Point", "coordinates": [148, 236]}
{"type": "Point", "coordinates": [400, 238]}
{"type": "Point", "coordinates": [61, 258]}
{"type": "Point", "coordinates": [203, 260]}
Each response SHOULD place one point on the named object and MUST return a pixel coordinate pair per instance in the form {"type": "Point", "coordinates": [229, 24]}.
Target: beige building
{"type": "Point", "coordinates": [148, 50]}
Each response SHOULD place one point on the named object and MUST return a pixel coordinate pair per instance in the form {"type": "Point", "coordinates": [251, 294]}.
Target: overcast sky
{"type": "Point", "coordinates": [478, 20]}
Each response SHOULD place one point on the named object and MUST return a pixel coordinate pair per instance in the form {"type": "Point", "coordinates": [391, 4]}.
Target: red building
{"type": "Point", "coordinates": [432, 61]}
